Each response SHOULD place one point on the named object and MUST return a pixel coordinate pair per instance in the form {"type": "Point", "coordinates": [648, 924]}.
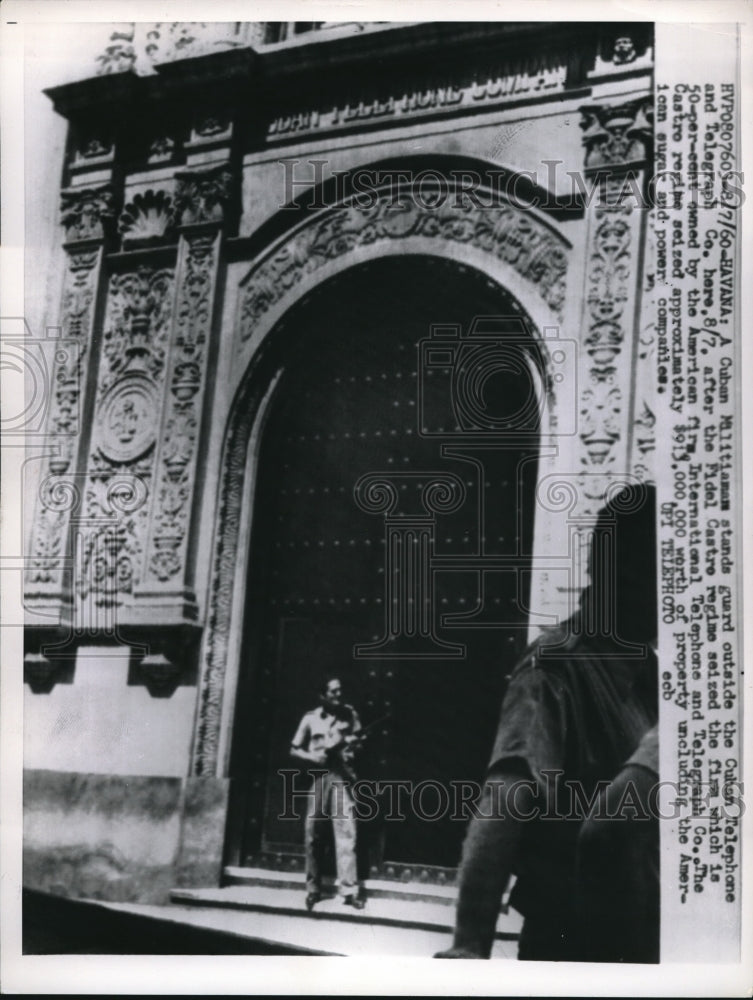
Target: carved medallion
{"type": "Point", "coordinates": [128, 419]}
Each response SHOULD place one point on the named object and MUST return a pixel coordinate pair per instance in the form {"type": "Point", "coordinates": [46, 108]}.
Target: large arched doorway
{"type": "Point", "coordinates": [348, 404]}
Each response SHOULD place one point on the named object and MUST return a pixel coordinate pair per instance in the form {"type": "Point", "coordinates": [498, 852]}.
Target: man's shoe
{"type": "Point", "coordinates": [354, 901]}
{"type": "Point", "coordinates": [311, 899]}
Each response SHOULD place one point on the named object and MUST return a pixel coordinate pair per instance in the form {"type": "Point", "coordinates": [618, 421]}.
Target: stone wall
{"type": "Point", "coordinates": [123, 838]}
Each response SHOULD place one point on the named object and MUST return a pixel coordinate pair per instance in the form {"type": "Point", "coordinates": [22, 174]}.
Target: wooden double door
{"type": "Point", "coordinates": [357, 392]}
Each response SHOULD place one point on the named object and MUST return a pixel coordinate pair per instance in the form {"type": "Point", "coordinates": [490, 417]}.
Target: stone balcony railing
{"type": "Point", "coordinates": [140, 46]}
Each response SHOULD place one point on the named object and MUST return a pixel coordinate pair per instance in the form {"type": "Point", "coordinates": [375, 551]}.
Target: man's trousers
{"type": "Point", "coordinates": [331, 801]}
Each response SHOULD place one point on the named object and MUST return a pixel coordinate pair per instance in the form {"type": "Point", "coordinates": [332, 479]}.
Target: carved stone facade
{"type": "Point", "coordinates": [183, 256]}
{"type": "Point", "coordinates": [116, 496]}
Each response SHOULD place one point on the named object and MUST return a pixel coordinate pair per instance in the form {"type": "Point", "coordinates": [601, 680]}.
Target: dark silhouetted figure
{"type": "Point", "coordinates": [577, 709]}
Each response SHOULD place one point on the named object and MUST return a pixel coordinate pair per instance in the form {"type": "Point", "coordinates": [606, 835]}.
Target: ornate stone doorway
{"type": "Point", "coordinates": [362, 401]}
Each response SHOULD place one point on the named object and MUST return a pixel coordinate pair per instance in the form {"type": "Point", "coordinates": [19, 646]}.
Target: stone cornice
{"type": "Point", "coordinates": [128, 89]}
{"type": "Point", "coordinates": [413, 45]}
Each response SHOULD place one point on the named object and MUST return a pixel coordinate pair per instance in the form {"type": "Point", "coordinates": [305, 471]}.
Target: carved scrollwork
{"type": "Point", "coordinates": [139, 306]}
{"type": "Point", "coordinates": [618, 135]}
{"type": "Point", "coordinates": [202, 195]}
{"type": "Point", "coordinates": [183, 409]}
{"type": "Point", "coordinates": [600, 424]}
{"type": "Point", "coordinates": [513, 236]}
{"type": "Point", "coordinates": [108, 563]}
{"type": "Point", "coordinates": [610, 288]}
{"type": "Point", "coordinates": [617, 139]}
{"type": "Point", "coordinates": [644, 422]}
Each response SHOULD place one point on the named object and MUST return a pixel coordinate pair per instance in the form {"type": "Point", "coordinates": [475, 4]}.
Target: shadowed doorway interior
{"type": "Point", "coordinates": [348, 405]}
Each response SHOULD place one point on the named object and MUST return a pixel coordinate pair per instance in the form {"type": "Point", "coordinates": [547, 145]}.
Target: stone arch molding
{"type": "Point", "coordinates": [515, 248]}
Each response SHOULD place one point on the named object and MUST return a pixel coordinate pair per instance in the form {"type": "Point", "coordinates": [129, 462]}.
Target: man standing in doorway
{"type": "Point", "coordinates": [327, 737]}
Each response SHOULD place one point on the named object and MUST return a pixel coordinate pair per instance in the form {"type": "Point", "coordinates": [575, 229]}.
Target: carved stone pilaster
{"type": "Point", "coordinates": [119, 472]}
{"type": "Point", "coordinates": [200, 203]}
{"type": "Point", "coordinates": [58, 491]}
{"type": "Point", "coordinates": [175, 480]}
{"type": "Point", "coordinates": [643, 442]}
{"type": "Point", "coordinates": [87, 214]}
{"type": "Point", "coordinates": [617, 142]}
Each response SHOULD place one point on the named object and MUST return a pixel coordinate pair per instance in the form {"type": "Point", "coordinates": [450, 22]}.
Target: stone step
{"type": "Point", "coordinates": [399, 913]}
{"type": "Point", "coordinates": [267, 930]}
{"type": "Point", "coordinates": [417, 892]}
